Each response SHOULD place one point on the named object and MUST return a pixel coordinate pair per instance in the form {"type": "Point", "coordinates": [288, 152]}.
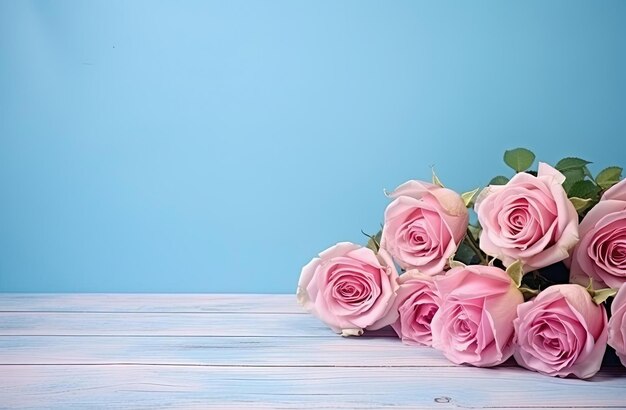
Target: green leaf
{"type": "Point", "coordinates": [601, 295]}
{"type": "Point", "coordinates": [464, 254]}
{"type": "Point", "coordinates": [584, 189]}
{"type": "Point", "coordinates": [516, 272]}
{"type": "Point", "coordinates": [571, 177]}
{"type": "Point", "coordinates": [580, 204]}
{"type": "Point", "coordinates": [528, 293]}
{"type": "Point", "coordinates": [609, 177]}
{"type": "Point", "coordinates": [374, 240]}
{"type": "Point", "coordinates": [520, 159]}
{"type": "Point", "coordinates": [570, 163]}
{"type": "Point", "coordinates": [436, 180]}
{"type": "Point", "coordinates": [468, 197]}
{"type": "Point", "coordinates": [499, 180]}
{"type": "Point", "coordinates": [474, 231]}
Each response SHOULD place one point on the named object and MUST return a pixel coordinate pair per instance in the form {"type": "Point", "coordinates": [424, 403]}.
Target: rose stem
{"type": "Point", "coordinates": [472, 244]}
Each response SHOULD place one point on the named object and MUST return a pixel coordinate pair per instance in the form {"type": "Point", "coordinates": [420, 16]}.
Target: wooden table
{"type": "Point", "coordinates": [243, 351]}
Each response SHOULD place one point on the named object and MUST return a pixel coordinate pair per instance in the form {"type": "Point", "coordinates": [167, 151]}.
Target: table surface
{"type": "Point", "coordinates": [243, 351]}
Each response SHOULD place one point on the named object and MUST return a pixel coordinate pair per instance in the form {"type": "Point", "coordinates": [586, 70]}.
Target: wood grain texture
{"type": "Point", "coordinates": [149, 302]}
{"type": "Point", "coordinates": [164, 324]}
{"type": "Point", "coordinates": [294, 387]}
{"type": "Point", "coordinates": [243, 351]}
{"type": "Point", "coordinates": [217, 351]}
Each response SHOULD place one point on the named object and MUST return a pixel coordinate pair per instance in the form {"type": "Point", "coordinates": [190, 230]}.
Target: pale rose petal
{"type": "Point", "coordinates": [546, 170]}
{"type": "Point", "coordinates": [414, 189]}
{"type": "Point", "coordinates": [308, 271]}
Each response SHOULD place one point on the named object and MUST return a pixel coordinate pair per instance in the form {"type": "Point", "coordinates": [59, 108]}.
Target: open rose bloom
{"type": "Point", "coordinates": [474, 324]}
{"type": "Point", "coordinates": [349, 288]}
{"type": "Point", "coordinates": [416, 303]}
{"type": "Point", "coordinates": [424, 226]}
{"type": "Point", "coordinates": [601, 253]}
{"type": "Point", "coordinates": [529, 219]}
{"type": "Point", "coordinates": [561, 332]}
{"type": "Point", "coordinates": [453, 293]}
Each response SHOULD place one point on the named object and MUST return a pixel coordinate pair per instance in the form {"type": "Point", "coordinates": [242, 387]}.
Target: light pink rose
{"type": "Point", "coordinates": [416, 303]}
{"type": "Point", "coordinates": [528, 219]}
{"type": "Point", "coordinates": [475, 322]}
{"type": "Point", "coordinates": [561, 332]}
{"type": "Point", "coordinates": [349, 288]}
{"type": "Point", "coordinates": [601, 252]}
{"type": "Point", "coordinates": [424, 225]}
{"type": "Point", "coordinates": [617, 325]}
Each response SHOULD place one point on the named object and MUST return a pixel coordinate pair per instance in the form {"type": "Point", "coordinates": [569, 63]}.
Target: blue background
{"type": "Point", "coordinates": [151, 146]}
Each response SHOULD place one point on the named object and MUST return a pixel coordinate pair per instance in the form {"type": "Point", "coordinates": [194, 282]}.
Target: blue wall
{"type": "Point", "coordinates": [218, 146]}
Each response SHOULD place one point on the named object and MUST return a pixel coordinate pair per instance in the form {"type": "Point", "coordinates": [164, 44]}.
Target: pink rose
{"type": "Point", "coordinates": [349, 288]}
{"type": "Point", "coordinates": [424, 225]}
{"type": "Point", "coordinates": [561, 332]}
{"type": "Point", "coordinates": [528, 219]}
{"type": "Point", "coordinates": [416, 303]}
{"type": "Point", "coordinates": [617, 325]}
{"type": "Point", "coordinates": [601, 253]}
{"type": "Point", "coordinates": [474, 324]}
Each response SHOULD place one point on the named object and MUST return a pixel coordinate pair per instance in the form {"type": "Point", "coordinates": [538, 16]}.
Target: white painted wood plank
{"type": "Point", "coordinates": [156, 303]}
{"type": "Point", "coordinates": [231, 387]}
{"type": "Point", "coordinates": [225, 351]}
{"type": "Point", "coordinates": [164, 324]}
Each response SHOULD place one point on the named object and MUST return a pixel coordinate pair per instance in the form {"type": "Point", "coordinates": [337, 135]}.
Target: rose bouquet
{"type": "Point", "coordinates": [535, 277]}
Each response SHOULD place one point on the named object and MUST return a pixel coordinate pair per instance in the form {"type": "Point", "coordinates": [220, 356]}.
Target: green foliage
{"type": "Point", "coordinates": [571, 163]}
{"type": "Point", "coordinates": [373, 241]}
{"type": "Point", "coordinates": [464, 254]}
{"type": "Point", "coordinates": [609, 177]}
{"type": "Point", "coordinates": [584, 189]}
{"type": "Point", "coordinates": [601, 295]}
{"type": "Point", "coordinates": [468, 197]}
{"type": "Point", "coordinates": [520, 159]}
{"type": "Point", "coordinates": [528, 293]}
{"type": "Point", "coordinates": [499, 180]}
{"type": "Point", "coordinates": [436, 180]}
{"type": "Point", "coordinates": [571, 177]}
{"type": "Point", "coordinates": [475, 231]}
{"type": "Point", "coordinates": [575, 170]}
{"type": "Point", "coordinates": [516, 272]}
{"type": "Point", "coordinates": [581, 204]}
